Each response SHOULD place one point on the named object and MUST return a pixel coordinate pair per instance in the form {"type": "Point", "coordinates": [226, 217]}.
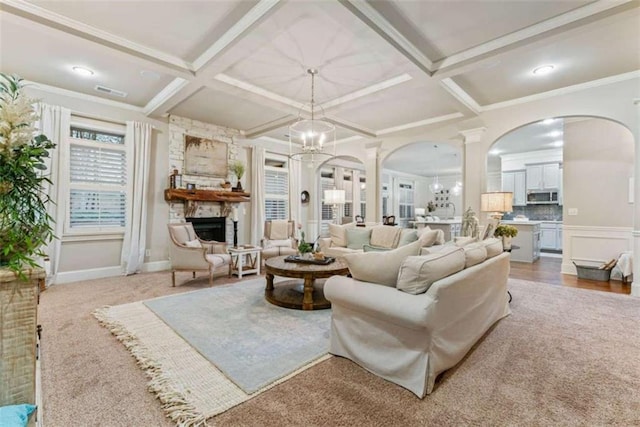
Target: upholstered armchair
{"type": "Point", "coordinates": [189, 253]}
{"type": "Point", "coordinates": [279, 239]}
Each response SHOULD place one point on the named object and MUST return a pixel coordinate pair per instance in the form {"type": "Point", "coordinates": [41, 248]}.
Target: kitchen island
{"type": "Point", "coordinates": [527, 240]}
{"type": "Point", "coordinates": [450, 227]}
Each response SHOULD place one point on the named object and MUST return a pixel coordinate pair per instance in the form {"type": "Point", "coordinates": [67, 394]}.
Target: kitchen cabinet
{"type": "Point", "coordinates": [515, 182]}
{"type": "Point", "coordinates": [551, 236]}
{"type": "Point", "coordinates": [543, 176]}
{"type": "Point", "coordinates": [450, 228]}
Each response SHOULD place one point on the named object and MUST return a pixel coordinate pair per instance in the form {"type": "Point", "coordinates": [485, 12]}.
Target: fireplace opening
{"type": "Point", "coordinates": [213, 228]}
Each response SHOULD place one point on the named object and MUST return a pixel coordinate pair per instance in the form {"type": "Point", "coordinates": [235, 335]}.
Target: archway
{"type": "Point", "coordinates": [592, 162]}
{"type": "Point", "coordinates": [419, 176]}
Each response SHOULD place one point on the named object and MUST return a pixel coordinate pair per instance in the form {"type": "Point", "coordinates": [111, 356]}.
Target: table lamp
{"type": "Point", "coordinates": [496, 203]}
{"type": "Point", "coordinates": [334, 198]}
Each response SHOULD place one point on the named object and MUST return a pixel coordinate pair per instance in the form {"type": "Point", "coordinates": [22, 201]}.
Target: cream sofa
{"type": "Point", "coordinates": [410, 336]}
{"type": "Point", "coordinates": [348, 238]}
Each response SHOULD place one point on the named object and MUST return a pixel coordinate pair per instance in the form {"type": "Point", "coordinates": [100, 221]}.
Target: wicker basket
{"type": "Point", "coordinates": [18, 322]}
{"type": "Point", "coordinates": [593, 273]}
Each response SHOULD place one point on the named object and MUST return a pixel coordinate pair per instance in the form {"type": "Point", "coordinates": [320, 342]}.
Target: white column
{"type": "Point", "coordinates": [474, 172]}
{"type": "Point", "coordinates": [635, 286]}
{"type": "Point", "coordinates": [374, 187]}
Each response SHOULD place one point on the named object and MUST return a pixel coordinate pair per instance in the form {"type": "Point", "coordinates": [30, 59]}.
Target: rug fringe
{"type": "Point", "coordinates": [173, 401]}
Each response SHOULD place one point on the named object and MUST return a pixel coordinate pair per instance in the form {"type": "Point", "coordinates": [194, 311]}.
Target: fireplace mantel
{"type": "Point", "coordinates": [180, 194]}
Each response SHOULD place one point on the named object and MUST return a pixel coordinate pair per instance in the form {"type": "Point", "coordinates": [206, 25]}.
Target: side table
{"type": "Point", "coordinates": [244, 260]}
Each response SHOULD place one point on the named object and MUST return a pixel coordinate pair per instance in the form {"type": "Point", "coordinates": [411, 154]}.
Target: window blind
{"type": "Point", "coordinates": [276, 199]}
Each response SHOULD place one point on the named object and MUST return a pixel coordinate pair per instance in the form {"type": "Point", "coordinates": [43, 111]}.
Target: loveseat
{"type": "Point", "coordinates": [410, 328]}
{"type": "Point", "coordinates": [349, 238]}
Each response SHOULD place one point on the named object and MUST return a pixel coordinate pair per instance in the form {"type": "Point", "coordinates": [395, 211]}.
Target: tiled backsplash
{"type": "Point", "coordinates": [539, 212]}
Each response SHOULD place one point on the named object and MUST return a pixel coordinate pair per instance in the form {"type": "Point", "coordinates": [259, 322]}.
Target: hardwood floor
{"type": "Point", "coordinates": [547, 270]}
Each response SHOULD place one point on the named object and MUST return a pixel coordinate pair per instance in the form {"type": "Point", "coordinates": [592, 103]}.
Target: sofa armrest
{"type": "Point", "coordinates": [185, 258]}
{"type": "Point", "coordinates": [383, 302]}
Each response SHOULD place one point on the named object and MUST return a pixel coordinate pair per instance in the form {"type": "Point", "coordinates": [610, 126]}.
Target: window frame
{"type": "Point", "coordinates": [273, 158]}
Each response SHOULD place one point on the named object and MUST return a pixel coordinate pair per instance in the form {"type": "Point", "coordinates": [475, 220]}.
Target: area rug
{"type": "Point", "coordinates": [209, 350]}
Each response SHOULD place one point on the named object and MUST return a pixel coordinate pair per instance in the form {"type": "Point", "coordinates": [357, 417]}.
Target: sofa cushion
{"type": "Point", "coordinates": [418, 273]}
{"type": "Point", "coordinates": [277, 243]}
{"type": "Point", "coordinates": [407, 236]}
{"type": "Point", "coordinates": [193, 243]}
{"type": "Point", "coordinates": [357, 237]}
{"type": "Point", "coordinates": [380, 267]}
{"type": "Point", "coordinates": [338, 234]}
{"type": "Point", "coordinates": [474, 253]}
{"type": "Point", "coordinates": [464, 240]}
{"type": "Point", "coordinates": [384, 236]}
{"type": "Point", "coordinates": [369, 248]}
{"type": "Point", "coordinates": [429, 237]}
{"type": "Point", "coordinates": [279, 229]}
{"type": "Point", "coordinates": [493, 246]}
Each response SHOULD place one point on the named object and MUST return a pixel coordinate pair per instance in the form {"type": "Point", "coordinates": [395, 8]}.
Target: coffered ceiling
{"type": "Point", "coordinates": [384, 66]}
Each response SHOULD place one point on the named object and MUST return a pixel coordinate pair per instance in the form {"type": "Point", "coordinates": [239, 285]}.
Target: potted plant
{"type": "Point", "coordinates": [237, 168]}
{"type": "Point", "coordinates": [25, 227]}
{"type": "Point", "coordinates": [507, 232]}
{"type": "Point", "coordinates": [304, 247]}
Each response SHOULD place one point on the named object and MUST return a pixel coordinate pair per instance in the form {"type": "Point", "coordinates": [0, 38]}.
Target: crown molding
{"type": "Point", "coordinates": [83, 96]}
{"type": "Point", "coordinates": [473, 135]}
{"type": "Point", "coordinates": [257, 131]}
{"type": "Point", "coordinates": [420, 123]}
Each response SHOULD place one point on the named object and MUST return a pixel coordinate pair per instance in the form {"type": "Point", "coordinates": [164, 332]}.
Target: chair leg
{"type": "Point", "coordinates": [173, 278]}
{"type": "Point", "coordinates": [210, 276]}
{"type": "Point", "coordinates": [194, 274]}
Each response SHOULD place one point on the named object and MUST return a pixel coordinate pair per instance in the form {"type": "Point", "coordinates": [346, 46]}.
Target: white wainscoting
{"type": "Point", "coordinates": [593, 245]}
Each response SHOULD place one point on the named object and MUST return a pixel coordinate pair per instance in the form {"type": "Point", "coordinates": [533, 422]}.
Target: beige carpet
{"type": "Point", "coordinates": [564, 357]}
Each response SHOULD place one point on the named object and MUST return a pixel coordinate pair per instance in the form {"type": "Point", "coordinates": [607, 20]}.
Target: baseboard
{"type": "Point", "coordinates": [101, 273]}
{"type": "Point", "coordinates": [150, 267]}
{"type": "Point", "coordinates": [94, 273]}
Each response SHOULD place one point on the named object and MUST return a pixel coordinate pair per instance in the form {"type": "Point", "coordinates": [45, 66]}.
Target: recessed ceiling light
{"type": "Point", "coordinates": [83, 71]}
{"type": "Point", "coordinates": [554, 133]}
{"type": "Point", "coordinates": [558, 143]}
{"type": "Point", "coordinates": [495, 152]}
{"type": "Point", "coordinates": [548, 121]}
{"type": "Point", "coordinates": [543, 69]}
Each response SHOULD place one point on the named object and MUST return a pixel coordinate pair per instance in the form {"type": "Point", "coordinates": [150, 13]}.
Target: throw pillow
{"type": "Point", "coordinates": [15, 415]}
{"type": "Point", "coordinates": [384, 236]}
{"type": "Point", "coordinates": [193, 244]}
{"type": "Point", "coordinates": [407, 236]}
{"type": "Point", "coordinates": [474, 253]}
{"type": "Point", "coordinates": [338, 234]}
{"type": "Point", "coordinates": [279, 229]}
{"type": "Point", "coordinates": [418, 273]}
{"type": "Point", "coordinates": [357, 237]}
{"type": "Point", "coordinates": [428, 237]}
{"type": "Point", "coordinates": [493, 246]}
{"type": "Point", "coordinates": [380, 267]}
{"type": "Point", "coordinates": [369, 248]}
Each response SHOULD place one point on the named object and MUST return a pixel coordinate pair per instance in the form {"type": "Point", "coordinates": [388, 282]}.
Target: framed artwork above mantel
{"type": "Point", "coordinates": [205, 157]}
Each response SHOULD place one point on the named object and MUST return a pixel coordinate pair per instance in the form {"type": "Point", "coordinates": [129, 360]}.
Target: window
{"type": "Point", "coordinates": [405, 200]}
{"type": "Point", "coordinates": [363, 196]}
{"type": "Point", "coordinates": [276, 185]}
{"type": "Point", "coordinates": [326, 183]}
{"type": "Point", "coordinates": [97, 177]}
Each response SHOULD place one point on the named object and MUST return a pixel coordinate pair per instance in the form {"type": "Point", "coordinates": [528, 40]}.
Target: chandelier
{"type": "Point", "coordinates": [310, 138]}
{"type": "Point", "coordinates": [435, 185]}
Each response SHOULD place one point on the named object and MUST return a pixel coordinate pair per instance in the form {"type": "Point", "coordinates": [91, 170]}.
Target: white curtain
{"type": "Point", "coordinates": [257, 194]}
{"type": "Point", "coordinates": [138, 140]}
{"type": "Point", "coordinates": [55, 122]}
{"type": "Point", "coordinates": [295, 208]}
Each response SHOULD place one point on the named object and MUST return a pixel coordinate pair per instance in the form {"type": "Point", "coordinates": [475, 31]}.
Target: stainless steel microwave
{"type": "Point", "coordinates": [542, 197]}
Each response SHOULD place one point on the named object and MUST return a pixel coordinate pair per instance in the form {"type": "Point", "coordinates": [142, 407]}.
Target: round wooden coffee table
{"type": "Point", "coordinates": [307, 295]}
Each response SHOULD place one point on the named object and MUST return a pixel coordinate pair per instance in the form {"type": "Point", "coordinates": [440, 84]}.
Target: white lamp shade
{"type": "Point", "coordinates": [496, 202]}
{"type": "Point", "coordinates": [420, 211]}
{"type": "Point", "coordinates": [334, 197]}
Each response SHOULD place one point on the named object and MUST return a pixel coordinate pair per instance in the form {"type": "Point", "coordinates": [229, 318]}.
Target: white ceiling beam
{"type": "Point", "coordinates": [421, 123]}
{"type": "Point", "coordinates": [169, 91]}
{"type": "Point", "coordinates": [528, 35]}
{"type": "Point", "coordinates": [361, 130]}
{"type": "Point", "coordinates": [248, 87]}
{"type": "Point", "coordinates": [257, 13]}
{"type": "Point", "coordinates": [169, 63]}
{"type": "Point", "coordinates": [460, 95]}
{"type": "Point", "coordinates": [367, 91]}
{"type": "Point", "coordinates": [378, 23]}
{"type": "Point", "coordinates": [258, 131]}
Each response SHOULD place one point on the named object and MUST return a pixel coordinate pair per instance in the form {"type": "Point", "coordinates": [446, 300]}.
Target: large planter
{"type": "Point", "coordinates": [18, 323]}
